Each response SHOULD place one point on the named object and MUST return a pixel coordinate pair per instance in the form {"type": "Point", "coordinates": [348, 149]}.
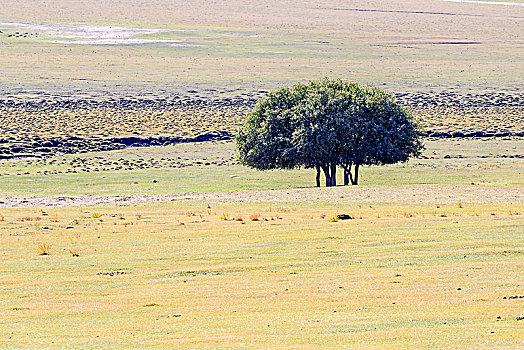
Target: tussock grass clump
{"type": "Point", "coordinates": [150, 305]}
{"type": "Point", "coordinates": [75, 252]}
{"type": "Point", "coordinates": [334, 219]}
{"type": "Point", "coordinates": [254, 217]}
{"type": "Point", "coordinates": [28, 218]}
{"type": "Point", "coordinates": [44, 249]}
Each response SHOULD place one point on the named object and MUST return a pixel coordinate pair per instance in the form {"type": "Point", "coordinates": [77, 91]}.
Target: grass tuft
{"type": "Point", "coordinates": [44, 249]}
{"type": "Point", "coordinates": [254, 217]}
{"type": "Point", "coordinates": [74, 252]}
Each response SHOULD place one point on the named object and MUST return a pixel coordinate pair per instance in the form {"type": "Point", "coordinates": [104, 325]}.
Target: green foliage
{"type": "Point", "coordinates": [325, 124]}
{"type": "Point", "coordinates": [265, 139]}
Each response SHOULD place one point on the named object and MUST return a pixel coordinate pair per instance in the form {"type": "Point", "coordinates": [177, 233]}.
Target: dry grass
{"type": "Point", "coordinates": [75, 252]}
{"type": "Point", "coordinates": [333, 219]}
{"type": "Point", "coordinates": [414, 269]}
{"type": "Point", "coordinates": [409, 45]}
{"type": "Point", "coordinates": [183, 118]}
{"type": "Point", "coordinates": [382, 281]}
{"type": "Point", "coordinates": [255, 217]}
{"type": "Point", "coordinates": [44, 249]}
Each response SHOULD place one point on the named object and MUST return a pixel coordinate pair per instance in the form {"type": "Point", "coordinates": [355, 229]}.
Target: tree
{"type": "Point", "coordinates": [383, 132]}
{"type": "Point", "coordinates": [264, 142]}
{"type": "Point", "coordinates": [321, 126]}
{"type": "Point", "coordinates": [325, 124]}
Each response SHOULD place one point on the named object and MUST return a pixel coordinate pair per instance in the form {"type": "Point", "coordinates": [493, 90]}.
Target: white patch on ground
{"type": "Point", "coordinates": [185, 45]}
{"type": "Point", "coordinates": [87, 34]}
{"type": "Point", "coordinates": [507, 3]}
{"type": "Point", "coordinates": [127, 41]}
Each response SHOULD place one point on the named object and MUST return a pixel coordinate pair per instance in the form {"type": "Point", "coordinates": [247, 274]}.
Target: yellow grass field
{"type": "Point", "coordinates": [434, 262]}
{"type": "Point", "coordinates": [177, 275]}
{"type": "Point", "coordinates": [108, 244]}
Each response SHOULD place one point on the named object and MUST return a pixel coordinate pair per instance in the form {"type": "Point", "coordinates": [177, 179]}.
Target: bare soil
{"type": "Point", "coordinates": [384, 194]}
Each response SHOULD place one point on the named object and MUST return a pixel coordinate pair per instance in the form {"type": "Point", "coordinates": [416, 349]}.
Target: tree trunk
{"type": "Point", "coordinates": [318, 175]}
{"type": "Point", "coordinates": [347, 174]}
{"type": "Point", "coordinates": [325, 168]}
{"type": "Point", "coordinates": [355, 180]}
{"type": "Point", "coordinates": [333, 174]}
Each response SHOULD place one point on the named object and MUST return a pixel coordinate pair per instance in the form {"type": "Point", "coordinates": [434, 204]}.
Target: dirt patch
{"type": "Point", "coordinates": [407, 194]}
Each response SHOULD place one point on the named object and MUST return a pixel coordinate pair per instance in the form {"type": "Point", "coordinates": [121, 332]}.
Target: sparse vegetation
{"type": "Point", "coordinates": [299, 251]}
{"type": "Point", "coordinates": [254, 217]}
{"type": "Point", "coordinates": [75, 252]}
{"type": "Point", "coordinates": [44, 249]}
{"type": "Point", "coordinates": [334, 219]}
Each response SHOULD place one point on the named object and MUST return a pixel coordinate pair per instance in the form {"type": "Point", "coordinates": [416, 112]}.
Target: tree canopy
{"type": "Point", "coordinates": [327, 124]}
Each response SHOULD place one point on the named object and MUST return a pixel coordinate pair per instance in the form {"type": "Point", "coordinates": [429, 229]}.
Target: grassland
{"type": "Point", "coordinates": [179, 246]}
{"type": "Point", "coordinates": [177, 276]}
{"type": "Point", "coordinates": [431, 259]}
{"type": "Point", "coordinates": [189, 115]}
{"type": "Point", "coordinates": [41, 128]}
{"type": "Point", "coordinates": [416, 46]}
{"type": "Point", "coordinates": [212, 167]}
